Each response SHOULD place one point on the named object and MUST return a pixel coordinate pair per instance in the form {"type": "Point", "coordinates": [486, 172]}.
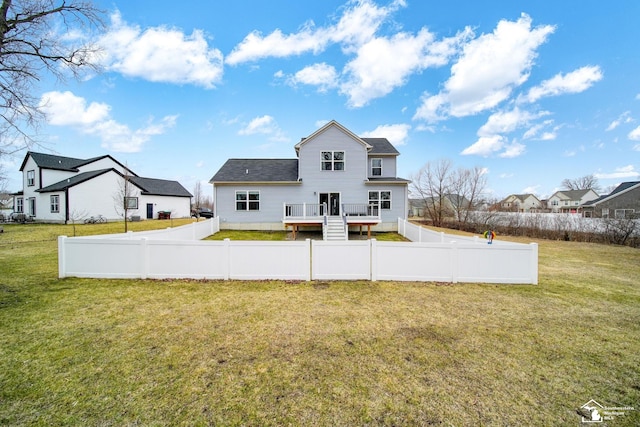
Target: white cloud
{"type": "Point", "coordinates": [359, 22]}
{"type": "Point", "coordinates": [624, 118]}
{"type": "Point", "coordinates": [620, 173]}
{"type": "Point", "coordinates": [574, 82]}
{"type": "Point", "coordinates": [379, 65]}
{"type": "Point", "coordinates": [396, 134]}
{"type": "Point", "coordinates": [67, 109]}
{"type": "Point", "coordinates": [403, 54]}
{"type": "Point", "coordinates": [508, 121]}
{"type": "Point", "coordinates": [160, 54]}
{"type": "Point", "coordinates": [485, 146]}
{"type": "Point", "coordinates": [634, 135]}
{"type": "Point", "coordinates": [264, 125]}
{"type": "Point", "coordinates": [490, 67]}
{"type": "Point", "coordinates": [514, 149]}
{"type": "Point", "coordinates": [322, 75]}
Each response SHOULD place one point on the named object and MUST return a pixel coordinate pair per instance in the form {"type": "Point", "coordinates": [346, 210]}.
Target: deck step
{"type": "Point", "coordinates": [334, 229]}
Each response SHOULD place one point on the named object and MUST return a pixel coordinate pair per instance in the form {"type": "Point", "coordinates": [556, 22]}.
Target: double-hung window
{"type": "Point", "coordinates": [382, 199]}
{"type": "Point", "coordinates": [332, 160]}
{"type": "Point", "coordinates": [376, 167]}
{"type": "Point", "coordinates": [19, 205]}
{"type": "Point", "coordinates": [31, 178]}
{"type": "Point", "coordinates": [55, 203]}
{"type": "Point", "coordinates": [247, 200]}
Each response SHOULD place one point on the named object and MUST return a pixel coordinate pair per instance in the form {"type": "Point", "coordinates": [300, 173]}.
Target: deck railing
{"type": "Point", "coordinates": [361, 209]}
{"type": "Point", "coordinates": [304, 210]}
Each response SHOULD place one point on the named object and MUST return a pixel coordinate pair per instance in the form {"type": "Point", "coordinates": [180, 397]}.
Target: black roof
{"type": "Point", "coordinates": [74, 180]}
{"type": "Point", "coordinates": [149, 186]}
{"type": "Point", "coordinates": [257, 170]}
{"type": "Point", "coordinates": [55, 162]}
{"type": "Point", "coordinates": [381, 146]}
{"type": "Point", "coordinates": [160, 187]}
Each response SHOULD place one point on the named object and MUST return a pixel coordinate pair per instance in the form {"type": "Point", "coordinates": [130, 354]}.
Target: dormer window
{"type": "Point", "coordinates": [332, 160]}
{"type": "Point", "coordinates": [376, 167]}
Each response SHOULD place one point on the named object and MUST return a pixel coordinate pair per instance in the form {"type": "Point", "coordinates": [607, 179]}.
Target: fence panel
{"type": "Point", "coordinates": [187, 259]}
{"type": "Point", "coordinates": [412, 261]}
{"type": "Point", "coordinates": [254, 260]}
{"type": "Point", "coordinates": [340, 260]}
{"type": "Point", "coordinates": [101, 258]}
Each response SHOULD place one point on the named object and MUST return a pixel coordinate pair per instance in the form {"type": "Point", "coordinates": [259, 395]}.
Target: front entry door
{"type": "Point", "coordinates": [149, 210]}
{"type": "Point", "coordinates": [333, 202]}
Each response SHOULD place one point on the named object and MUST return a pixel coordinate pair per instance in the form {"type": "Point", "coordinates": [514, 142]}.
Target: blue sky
{"type": "Point", "coordinates": [532, 91]}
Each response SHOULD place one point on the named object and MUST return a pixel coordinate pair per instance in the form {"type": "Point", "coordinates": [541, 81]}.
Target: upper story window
{"type": "Point", "coordinates": [332, 160]}
{"type": "Point", "coordinates": [247, 200]}
{"type": "Point", "coordinates": [376, 167]}
{"type": "Point", "coordinates": [31, 178]}
{"type": "Point", "coordinates": [554, 203]}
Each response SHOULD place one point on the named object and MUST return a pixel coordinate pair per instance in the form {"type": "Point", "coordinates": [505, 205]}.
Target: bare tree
{"type": "Point", "coordinates": [34, 42]}
{"type": "Point", "coordinates": [125, 198]}
{"type": "Point", "coordinates": [467, 188]}
{"type": "Point", "coordinates": [197, 195]}
{"type": "Point", "coordinates": [583, 183]}
{"type": "Point", "coordinates": [431, 184]}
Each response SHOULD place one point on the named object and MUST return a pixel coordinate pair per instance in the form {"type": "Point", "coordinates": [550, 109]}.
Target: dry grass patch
{"type": "Point", "coordinates": [118, 352]}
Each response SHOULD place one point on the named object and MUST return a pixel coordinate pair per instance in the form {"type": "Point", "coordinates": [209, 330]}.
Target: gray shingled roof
{"type": "Point", "coordinates": [381, 146]}
{"type": "Point", "coordinates": [149, 186]}
{"type": "Point", "coordinates": [74, 180]}
{"type": "Point", "coordinates": [622, 187]}
{"type": "Point", "coordinates": [160, 187]}
{"type": "Point", "coordinates": [69, 164]}
{"type": "Point", "coordinates": [257, 170]}
{"type": "Point", "coordinates": [49, 161]}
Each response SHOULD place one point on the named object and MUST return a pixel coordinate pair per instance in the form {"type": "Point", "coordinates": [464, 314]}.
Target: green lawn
{"type": "Point", "coordinates": [144, 352]}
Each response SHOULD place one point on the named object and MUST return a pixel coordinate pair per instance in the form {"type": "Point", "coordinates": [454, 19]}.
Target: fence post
{"type": "Point", "coordinates": [227, 255]}
{"type": "Point", "coordinates": [373, 264]}
{"type": "Point", "coordinates": [454, 261]}
{"type": "Point", "coordinates": [309, 259]}
{"type": "Point", "coordinates": [144, 258]}
{"type": "Point", "coordinates": [62, 259]}
{"type": "Point", "coordinates": [534, 263]}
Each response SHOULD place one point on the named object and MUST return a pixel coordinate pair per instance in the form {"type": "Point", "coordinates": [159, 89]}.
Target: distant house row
{"type": "Point", "coordinates": [622, 202]}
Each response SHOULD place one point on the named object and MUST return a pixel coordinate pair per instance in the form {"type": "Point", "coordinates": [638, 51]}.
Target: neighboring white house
{"type": "Point", "coordinates": [60, 189]}
{"type": "Point", "coordinates": [569, 201]}
{"type": "Point", "coordinates": [521, 203]}
{"type": "Point", "coordinates": [336, 174]}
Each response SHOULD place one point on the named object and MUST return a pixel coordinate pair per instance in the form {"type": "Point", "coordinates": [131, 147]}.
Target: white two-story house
{"type": "Point", "coordinates": [569, 201]}
{"type": "Point", "coordinates": [337, 177]}
{"type": "Point", "coordinates": [63, 189]}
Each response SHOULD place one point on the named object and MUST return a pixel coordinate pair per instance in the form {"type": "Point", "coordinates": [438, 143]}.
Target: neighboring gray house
{"type": "Point", "coordinates": [622, 202]}
{"type": "Point", "coordinates": [60, 189]}
{"type": "Point", "coordinates": [337, 175]}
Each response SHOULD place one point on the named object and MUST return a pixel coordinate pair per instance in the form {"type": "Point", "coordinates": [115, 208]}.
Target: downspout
{"type": "Point", "coordinates": [66, 205]}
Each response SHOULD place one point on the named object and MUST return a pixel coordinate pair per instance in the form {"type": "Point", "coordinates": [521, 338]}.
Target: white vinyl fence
{"type": "Point", "coordinates": [432, 257]}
